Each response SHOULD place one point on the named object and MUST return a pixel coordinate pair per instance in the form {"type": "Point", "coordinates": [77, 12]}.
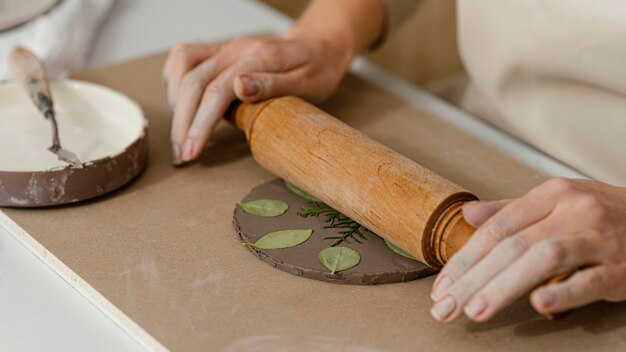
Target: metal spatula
{"type": "Point", "coordinates": [28, 70]}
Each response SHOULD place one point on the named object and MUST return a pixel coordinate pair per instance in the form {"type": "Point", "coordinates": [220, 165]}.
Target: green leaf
{"type": "Point", "coordinates": [282, 239]}
{"type": "Point", "coordinates": [300, 192]}
{"type": "Point", "coordinates": [264, 207]}
{"type": "Point", "coordinates": [339, 258]}
{"type": "Point", "coordinates": [399, 250]}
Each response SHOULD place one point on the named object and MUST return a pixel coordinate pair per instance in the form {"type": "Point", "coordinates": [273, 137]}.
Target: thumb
{"type": "Point", "coordinates": [476, 213]}
{"type": "Point", "coordinates": [250, 88]}
{"type": "Point", "coordinates": [257, 86]}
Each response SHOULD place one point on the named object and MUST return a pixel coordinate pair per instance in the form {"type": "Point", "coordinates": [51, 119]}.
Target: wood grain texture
{"type": "Point", "coordinates": [384, 191]}
{"type": "Point", "coordinates": [163, 249]}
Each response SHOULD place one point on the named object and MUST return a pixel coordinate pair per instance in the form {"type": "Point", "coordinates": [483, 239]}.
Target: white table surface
{"type": "Point", "coordinates": [39, 311]}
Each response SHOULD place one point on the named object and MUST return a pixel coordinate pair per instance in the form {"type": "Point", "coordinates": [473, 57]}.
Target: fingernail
{"type": "Point", "coordinates": [176, 154]}
{"type": "Point", "coordinates": [443, 308]}
{"type": "Point", "coordinates": [546, 298]}
{"type": "Point", "coordinates": [188, 150]}
{"type": "Point", "coordinates": [251, 87]}
{"type": "Point", "coordinates": [440, 287]}
{"type": "Point", "coordinates": [476, 306]}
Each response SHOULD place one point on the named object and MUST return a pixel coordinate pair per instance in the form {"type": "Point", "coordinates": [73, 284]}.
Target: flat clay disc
{"type": "Point", "coordinates": [378, 265]}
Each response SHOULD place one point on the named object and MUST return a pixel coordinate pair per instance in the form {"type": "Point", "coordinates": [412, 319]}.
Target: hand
{"type": "Point", "coordinates": [202, 81]}
{"type": "Point", "coordinates": [557, 227]}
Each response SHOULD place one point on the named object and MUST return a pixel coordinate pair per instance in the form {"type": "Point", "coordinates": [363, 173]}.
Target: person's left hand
{"type": "Point", "coordinates": [557, 227]}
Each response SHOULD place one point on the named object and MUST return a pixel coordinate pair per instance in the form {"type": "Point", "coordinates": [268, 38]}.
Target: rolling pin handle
{"type": "Point", "coordinates": [448, 235]}
{"type": "Point", "coordinates": [243, 115]}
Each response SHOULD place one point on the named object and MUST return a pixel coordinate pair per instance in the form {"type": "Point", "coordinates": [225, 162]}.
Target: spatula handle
{"type": "Point", "coordinates": [29, 71]}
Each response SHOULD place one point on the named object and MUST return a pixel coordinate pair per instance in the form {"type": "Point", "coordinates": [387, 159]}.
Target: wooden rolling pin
{"type": "Point", "coordinates": [393, 196]}
{"type": "Point", "coordinates": [400, 200]}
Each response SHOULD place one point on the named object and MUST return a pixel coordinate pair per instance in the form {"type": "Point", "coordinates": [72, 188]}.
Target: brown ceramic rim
{"type": "Point", "coordinates": [70, 184]}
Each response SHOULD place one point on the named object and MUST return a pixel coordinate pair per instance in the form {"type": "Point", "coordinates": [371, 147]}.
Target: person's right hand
{"type": "Point", "coordinates": [202, 81]}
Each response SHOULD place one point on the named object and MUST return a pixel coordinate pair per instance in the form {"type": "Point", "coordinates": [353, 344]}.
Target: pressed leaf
{"type": "Point", "coordinates": [293, 188]}
{"type": "Point", "coordinates": [399, 250]}
{"type": "Point", "coordinates": [339, 258]}
{"type": "Point", "coordinates": [264, 207]}
{"type": "Point", "coordinates": [282, 239]}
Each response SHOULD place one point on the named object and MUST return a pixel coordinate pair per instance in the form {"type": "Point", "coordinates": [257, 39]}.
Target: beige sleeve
{"type": "Point", "coordinates": [396, 11]}
{"type": "Point", "coordinates": [559, 85]}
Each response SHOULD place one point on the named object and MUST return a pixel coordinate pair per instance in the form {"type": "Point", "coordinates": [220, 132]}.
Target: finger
{"type": "Point", "coordinates": [189, 97]}
{"type": "Point", "coordinates": [195, 81]}
{"type": "Point", "coordinates": [215, 100]}
{"type": "Point", "coordinates": [186, 52]}
{"type": "Point", "coordinates": [505, 252]}
{"type": "Point", "coordinates": [257, 86]}
{"type": "Point", "coordinates": [512, 218]}
{"type": "Point", "coordinates": [584, 287]}
{"type": "Point", "coordinates": [219, 94]}
{"type": "Point", "coordinates": [542, 261]}
{"type": "Point", "coordinates": [201, 109]}
{"type": "Point", "coordinates": [476, 212]}
{"type": "Point", "coordinates": [182, 58]}
{"type": "Point", "coordinates": [190, 93]}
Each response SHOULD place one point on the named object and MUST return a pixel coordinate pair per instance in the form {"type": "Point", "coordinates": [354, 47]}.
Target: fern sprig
{"type": "Point", "coordinates": [335, 220]}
